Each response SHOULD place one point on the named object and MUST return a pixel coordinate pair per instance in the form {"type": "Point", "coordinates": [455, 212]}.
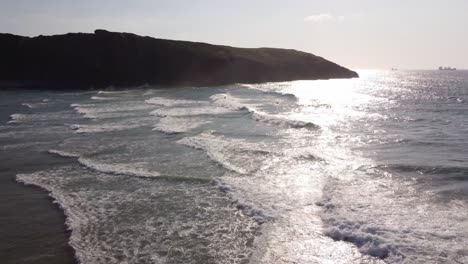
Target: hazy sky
{"type": "Point", "coordinates": [359, 34]}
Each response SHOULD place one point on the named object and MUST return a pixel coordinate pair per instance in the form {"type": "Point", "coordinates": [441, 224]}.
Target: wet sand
{"type": "Point", "coordinates": [32, 227]}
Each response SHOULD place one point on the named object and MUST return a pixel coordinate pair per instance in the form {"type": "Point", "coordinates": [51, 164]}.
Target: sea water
{"type": "Point", "coordinates": [368, 170]}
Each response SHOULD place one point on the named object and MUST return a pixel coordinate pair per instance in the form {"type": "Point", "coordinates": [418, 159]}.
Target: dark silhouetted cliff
{"type": "Point", "coordinates": [122, 59]}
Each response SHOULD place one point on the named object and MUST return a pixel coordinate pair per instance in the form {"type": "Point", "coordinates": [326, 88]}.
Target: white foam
{"type": "Point", "coordinates": [29, 105]}
{"type": "Point", "coordinates": [40, 117]}
{"type": "Point", "coordinates": [113, 92]}
{"type": "Point", "coordinates": [64, 153]}
{"type": "Point", "coordinates": [99, 128]}
{"type": "Point", "coordinates": [367, 242]}
{"type": "Point", "coordinates": [171, 102]}
{"type": "Point", "coordinates": [394, 224]}
{"type": "Point", "coordinates": [86, 112]}
{"type": "Point", "coordinates": [278, 88]}
{"type": "Point", "coordinates": [174, 125]}
{"type": "Point", "coordinates": [36, 105]}
{"type": "Point", "coordinates": [249, 209]}
{"type": "Point", "coordinates": [235, 155]}
{"type": "Point", "coordinates": [230, 102]}
{"type": "Point", "coordinates": [282, 121]}
{"type": "Point", "coordinates": [139, 221]}
{"type": "Point", "coordinates": [113, 168]}
{"type": "Point", "coordinates": [18, 117]}
{"type": "Point", "coordinates": [189, 111]}
{"type": "Point", "coordinates": [103, 98]}
{"type": "Point", "coordinates": [119, 168]}
{"type": "Point", "coordinates": [123, 109]}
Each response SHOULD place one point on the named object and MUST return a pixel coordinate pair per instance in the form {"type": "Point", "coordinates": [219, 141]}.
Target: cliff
{"type": "Point", "coordinates": [123, 59]}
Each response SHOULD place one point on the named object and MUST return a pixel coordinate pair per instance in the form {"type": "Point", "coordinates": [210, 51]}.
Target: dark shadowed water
{"type": "Point", "coordinates": [368, 170]}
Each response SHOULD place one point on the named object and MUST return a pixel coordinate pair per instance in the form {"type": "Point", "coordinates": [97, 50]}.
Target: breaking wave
{"type": "Point", "coordinates": [171, 102]}
{"type": "Point", "coordinates": [14, 118]}
{"type": "Point", "coordinates": [112, 110]}
{"type": "Point", "coordinates": [115, 168]}
{"type": "Point", "coordinates": [118, 169]}
{"type": "Point", "coordinates": [148, 224]}
{"type": "Point", "coordinates": [230, 102]}
{"type": "Point", "coordinates": [233, 154]}
{"type": "Point", "coordinates": [249, 209]}
{"type": "Point", "coordinates": [189, 111]}
{"type": "Point", "coordinates": [113, 92]}
{"type": "Point", "coordinates": [103, 98]}
{"type": "Point", "coordinates": [64, 154]}
{"type": "Point", "coordinates": [175, 125]}
{"type": "Point", "coordinates": [109, 127]}
{"type": "Point", "coordinates": [41, 117]}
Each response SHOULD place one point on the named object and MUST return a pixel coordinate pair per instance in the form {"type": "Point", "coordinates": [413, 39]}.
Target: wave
{"type": "Point", "coordinates": [112, 110]}
{"type": "Point", "coordinates": [365, 238]}
{"type": "Point", "coordinates": [283, 122]}
{"type": "Point", "coordinates": [14, 118]}
{"type": "Point", "coordinates": [171, 102]}
{"type": "Point", "coordinates": [115, 168]}
{"type": "Point", "coordinates": [448, 173]}
{"type": "Point", "coordinates": [113, 92]}
{"type": "Point", "coordinates": [24, 145]}
{"type": "Point", "coordinates": [454, 99]}
{"type": "Point", "coordinates": [35, 105]}
{"type": "Point", "coordinates": [278, 89]}
{"type": "Point", "coordinates": [40, 117]}
{"type": "Point", "coordinates": [103, 98]}
{"type": "Point", "coordinates": [29, 105]}
{"type": "Point", "coordinates": [64, 154]}
{"type": "Point", "coordinates": [175, 125]}
{"type": "Point", "coordinates": [147, 224]}
{"type": "Point", "coordinates": [233, 154]}
{"type": "Point", "coordinates": [230, 102]}
{"type": "Point", "coordinates": [368, 238]}
{"type": "Point", "coordinates": [250, 210]}
{"type": "Point", "coordinates": [393, 224]}
{"type": "Point", "coordinates": [189, 111]}
{"type": "Point", "coordinates": [214, 152]}
{"type": "Point", "coordinates": [79, 129]}
{"type": "Point", "coordinates": [243, 157]}
{"type": "Point", "coordinates": [118, 169]}
{"type": "Point", "coordinates": [87, 110]}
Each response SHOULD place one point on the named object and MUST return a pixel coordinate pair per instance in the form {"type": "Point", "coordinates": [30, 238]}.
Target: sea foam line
{"type": "Point", "coordinates": [230, 102]}
{"type": "Point", "coordinates": [175, 125]}
{"type": "Point", "coordinates": [171, 102]}
{"type": "Point", "coordinates": [250, 210]}
{"type": "Point", "coordinates": [117, 169]}
{"type": "Point", "coordinates": [103, 98]}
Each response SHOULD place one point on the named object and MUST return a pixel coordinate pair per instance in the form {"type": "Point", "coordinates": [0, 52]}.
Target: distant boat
{"type": "Point", "coordinates": [394, 69]}
{"type": "Point", "coordinates": [447, 69]}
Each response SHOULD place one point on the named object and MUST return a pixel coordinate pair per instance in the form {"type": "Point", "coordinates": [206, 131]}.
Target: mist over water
{"type": "Point", "coordinates": [368, 170]}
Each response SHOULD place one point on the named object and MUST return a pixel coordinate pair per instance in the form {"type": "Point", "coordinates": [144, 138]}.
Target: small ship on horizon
{"type": "Point", "coordinates": [447, 69]}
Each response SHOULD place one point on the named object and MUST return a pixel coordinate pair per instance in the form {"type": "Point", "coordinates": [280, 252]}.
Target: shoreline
{"type": "Point", "coordinates": [45, 86]}
{"type": "Point", "coordinates": [34, 226]}
{"type": "Point", "coordinates": [59, 212]}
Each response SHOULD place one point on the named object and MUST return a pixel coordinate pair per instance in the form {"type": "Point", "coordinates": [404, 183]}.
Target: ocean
{"type": "Point", "coordinates": [368, 170]}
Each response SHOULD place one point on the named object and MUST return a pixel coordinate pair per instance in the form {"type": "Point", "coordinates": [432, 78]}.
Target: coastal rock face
{"type": "Point", "coordinates": [123, 59]}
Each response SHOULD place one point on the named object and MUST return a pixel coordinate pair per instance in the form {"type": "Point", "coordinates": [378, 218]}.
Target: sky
{"type": "Point", "coordinates": [359, 34]}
